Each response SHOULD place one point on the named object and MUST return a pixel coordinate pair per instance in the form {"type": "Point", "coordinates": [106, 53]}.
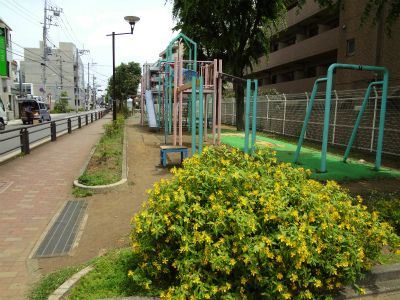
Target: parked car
{"type": "Point", "coordinates": [3, 116]}
{"type": "Point", "coordinates": [32, 109]}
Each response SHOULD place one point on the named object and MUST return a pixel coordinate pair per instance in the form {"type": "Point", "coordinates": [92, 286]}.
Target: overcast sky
{"type": "Point", "coordinates": [86, 23]}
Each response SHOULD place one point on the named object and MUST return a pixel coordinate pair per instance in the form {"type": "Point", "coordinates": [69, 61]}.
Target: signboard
{"type": "Point", "coordinates": [3, 54]}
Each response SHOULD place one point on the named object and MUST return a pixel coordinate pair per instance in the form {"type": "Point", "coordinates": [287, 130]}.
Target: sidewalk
{"type": "Point", "coordinates": [32, 189]}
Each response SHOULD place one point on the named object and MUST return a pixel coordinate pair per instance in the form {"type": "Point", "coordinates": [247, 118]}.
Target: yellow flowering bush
{"type": "Point", "coordinates": [229, 225]}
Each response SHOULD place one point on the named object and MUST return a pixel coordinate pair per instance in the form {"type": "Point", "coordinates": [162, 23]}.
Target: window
{"type": "Point", "coordinates": [312, 31]}
{"type": "Point", "coordinates": [351, 47]}
{"type": "Point", "coordinates": [311, 72]}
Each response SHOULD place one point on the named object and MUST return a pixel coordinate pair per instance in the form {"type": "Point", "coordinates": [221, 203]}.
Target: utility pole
{"type": "Point", "coordinates": [47, 22]}
{"type": "Point", "coordinates": [94, 92]}
{"type": "Point", "coordinates": [88, 83]}
{"type": "Point", "coordinates": [61, 74]}
{"type": "Point", "coordinates": [44, 48]}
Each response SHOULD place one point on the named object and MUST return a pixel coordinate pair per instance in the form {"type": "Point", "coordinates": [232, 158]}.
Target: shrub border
{"type": "Point", "coordinates": [106, 187]}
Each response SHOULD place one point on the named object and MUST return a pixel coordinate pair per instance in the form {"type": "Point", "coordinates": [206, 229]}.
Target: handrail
{"type": "Point", "coordinates": [25, 138]}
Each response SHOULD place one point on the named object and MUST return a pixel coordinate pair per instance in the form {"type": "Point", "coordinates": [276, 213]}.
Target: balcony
{"type": "Point", "coordinates": [319, 44]}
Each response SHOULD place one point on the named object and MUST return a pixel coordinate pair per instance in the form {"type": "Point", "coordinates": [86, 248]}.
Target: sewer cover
{"type": "Point", "coordinates": [4, 185]}
{"type": "Point", "coordinates": [60, 238]}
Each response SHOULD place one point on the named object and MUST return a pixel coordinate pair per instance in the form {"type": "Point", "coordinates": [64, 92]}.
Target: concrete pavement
{"type": "Point", "coordinates": [32, 189]}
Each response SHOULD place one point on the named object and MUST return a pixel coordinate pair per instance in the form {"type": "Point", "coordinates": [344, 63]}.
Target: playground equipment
{"type": "Point", "coordinates": [173, 75]}
{"type": "Point", "coordinates": [328, 95]}
{"type": "Point", "coordinates": [194, 88]}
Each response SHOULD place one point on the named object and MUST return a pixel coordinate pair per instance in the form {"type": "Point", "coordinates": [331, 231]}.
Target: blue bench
{"type": "Point", "coordinates": [172, 149]}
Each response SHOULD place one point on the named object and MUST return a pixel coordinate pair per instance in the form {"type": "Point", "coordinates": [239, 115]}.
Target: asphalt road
{"type": "Point", "coordinates": [10, 137]}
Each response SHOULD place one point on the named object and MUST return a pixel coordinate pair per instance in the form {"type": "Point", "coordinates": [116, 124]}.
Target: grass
{"type": "Point", "coordinates": [48, 284]}
{"type": "Point", "coordinates": [105, 166]}
{"type": "Point", "coordinates": [81, 193]}
{"type": "Point", "coordinates": [109, 278]}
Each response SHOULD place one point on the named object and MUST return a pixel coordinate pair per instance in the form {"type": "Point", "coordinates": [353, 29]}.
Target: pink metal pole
{"type": "Point", "coordinates": [180, 100]}
{"type": "Point", "coordinates": [206, 84]}
{"type": "Point", "coordinates": [214, 116]}
{"type": "Point", "coordinates": [219, 102]}
{"type": "Point", "coordinates": [174, 131]}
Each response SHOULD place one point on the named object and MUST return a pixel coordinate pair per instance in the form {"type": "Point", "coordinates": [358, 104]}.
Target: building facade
{"type": "Point", "coordinates": [64, 72]}
{"type": "Point", "coordinates": [7, 70]}
{"type": "Point", "coordinates": [316, 37]}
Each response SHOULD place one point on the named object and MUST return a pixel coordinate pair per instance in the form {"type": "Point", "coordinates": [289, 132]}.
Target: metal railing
{"type": "Point", "coordinates": [284, 114]}
{"type": "Point", "coordinates": [25, 138]}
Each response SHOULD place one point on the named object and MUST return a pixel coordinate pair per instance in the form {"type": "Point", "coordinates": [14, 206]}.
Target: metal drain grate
{"type": "Point", "coordinates": [4, 185]}
{"type": "Point", "coordinates": [61, 236]}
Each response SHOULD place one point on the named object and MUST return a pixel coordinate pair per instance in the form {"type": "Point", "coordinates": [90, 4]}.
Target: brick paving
{"type": "Point", "coordinates": [34, 188]}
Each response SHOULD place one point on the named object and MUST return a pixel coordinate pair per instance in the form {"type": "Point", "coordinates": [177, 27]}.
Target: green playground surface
{"type": "Point", "coordinates": [311, 159]}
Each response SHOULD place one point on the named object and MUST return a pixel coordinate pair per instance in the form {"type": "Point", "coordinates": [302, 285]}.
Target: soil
{"type": "Point", "coordinates": [109, 214]}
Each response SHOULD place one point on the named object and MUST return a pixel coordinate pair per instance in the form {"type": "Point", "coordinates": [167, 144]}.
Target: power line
{"type": "Point", "coordinates": [66, 18]}
{"type": "Point", "coordinates": [21, 13]}
{"type": "Point", "coordinates": [29, 12]}
{"type": "Point", "coordinates": [27, 50]}
{"type": "Point", "coordinates": [64, 28]}
{"type": "Point", "coordinates": [41, 63]}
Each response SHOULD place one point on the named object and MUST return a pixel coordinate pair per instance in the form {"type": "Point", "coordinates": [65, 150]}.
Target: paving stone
{"type": "Point", "coordinates": [26, 212]}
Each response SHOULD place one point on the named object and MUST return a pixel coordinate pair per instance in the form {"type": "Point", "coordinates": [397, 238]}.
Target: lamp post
{"type": "Point", "coordinates": [132, 21]}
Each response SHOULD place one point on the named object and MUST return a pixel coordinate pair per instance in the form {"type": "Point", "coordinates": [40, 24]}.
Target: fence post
{"type": "Point", "coordinates": [86, 119]}
{"type": "Point", "coordinates": [233, 113]}
{"type": "Point", "coordinates": [284, 114]}
{"type": "Point", "coordinates": [53, 131]}
{"type": "Point", "coordinates": [91, 117]}
{"type": "Point", "coordinates": [95, 116]}
{"type": "Point", "coordinates": [24, 138]}
{"type": "Point", "coordinates": [307, 103]}
{"type": "Point", "coordinates": [266, 126]}
{"type": "Point", "coordinates": [374, 120]}
{"type": "Point", "coordinates": [334, 117]}
{"type": "Point", "coordinates": [69, 125]}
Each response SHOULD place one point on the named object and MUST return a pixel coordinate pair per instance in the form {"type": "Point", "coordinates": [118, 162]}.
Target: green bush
{"type": "Point", "coordinates": [229, 225]}
{"type": "Point", "coordinates": [387, 205]}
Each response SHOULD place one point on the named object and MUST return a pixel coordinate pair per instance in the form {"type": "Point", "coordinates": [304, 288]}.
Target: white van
{"type": "Point", "coordinates": [3, 116]}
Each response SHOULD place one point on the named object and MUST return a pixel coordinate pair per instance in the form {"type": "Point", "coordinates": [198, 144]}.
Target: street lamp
{"type": "Point", "coordinates": [132, 21]}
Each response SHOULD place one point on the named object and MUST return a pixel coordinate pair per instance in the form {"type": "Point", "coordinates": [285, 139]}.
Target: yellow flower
{"type": "Point", "coordinates": [318, 283]}
{"type": "Point", "coordinates": [279, 287]}
{"type": "Point", "coordinates": [287, 296]}
{"type": "Point", "coordinates": [279, 276]}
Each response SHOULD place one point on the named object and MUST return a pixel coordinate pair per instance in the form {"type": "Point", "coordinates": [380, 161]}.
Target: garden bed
{"type": "Point", "coordinates": [106, 164]}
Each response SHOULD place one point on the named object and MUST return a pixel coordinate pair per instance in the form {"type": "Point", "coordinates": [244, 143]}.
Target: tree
{"type": "Point", "coordinates": [61, 105]}
{"type": "Point", "coordinates": [234, 31]}
{"type": "Point", "coordinates": [127, 79]}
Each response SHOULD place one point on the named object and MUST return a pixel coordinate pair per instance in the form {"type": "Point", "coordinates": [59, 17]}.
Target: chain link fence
{"type": "Point", "coordinates": [284, 114]}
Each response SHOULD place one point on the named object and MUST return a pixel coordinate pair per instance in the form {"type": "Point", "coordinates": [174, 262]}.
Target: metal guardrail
{"type": "Point", "coordinates": [26, 135]}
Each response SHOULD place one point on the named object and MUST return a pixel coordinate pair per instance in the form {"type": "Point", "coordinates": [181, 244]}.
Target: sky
{"type": "Point", "coordinates": [87, 22]}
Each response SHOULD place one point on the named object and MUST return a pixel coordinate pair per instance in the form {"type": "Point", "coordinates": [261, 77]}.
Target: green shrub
{"type": "Point", "coordinates": [387, 205]}
{"type": "Point", "coordinates": [229, 225]}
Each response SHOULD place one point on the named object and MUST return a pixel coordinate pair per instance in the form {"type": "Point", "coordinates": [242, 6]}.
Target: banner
{"type": "Point", "coordinates": [3, 54]}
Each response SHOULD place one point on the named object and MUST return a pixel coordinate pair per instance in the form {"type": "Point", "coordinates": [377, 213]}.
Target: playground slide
{"type": "Point", "coordinates": [151, 114]}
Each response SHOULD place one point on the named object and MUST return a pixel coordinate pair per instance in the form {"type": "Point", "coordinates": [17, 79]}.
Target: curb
{"type": "Point", "coordinates": [382, 279]}
{"type": "Point", "coordinates": [66, 287]}
{"type": "Point", "coordinates": [106, 187]}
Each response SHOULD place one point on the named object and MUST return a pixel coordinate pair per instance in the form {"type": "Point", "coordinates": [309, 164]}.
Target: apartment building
{"type": "Point", "coordinates": [64, 72]}
{"type": "Point", "coordinates": [316, 37]}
